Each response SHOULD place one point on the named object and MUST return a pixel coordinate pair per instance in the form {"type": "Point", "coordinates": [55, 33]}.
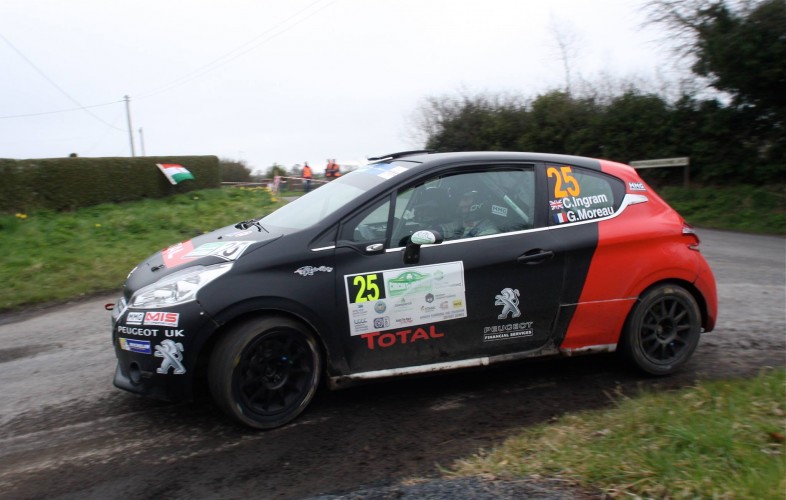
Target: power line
{"type": "Point", "coordinates": [55, 85]}
{"type": "Point", "coordinates": [61, 110]}
{"type": "Point", "coordinates": [241, 50]}
{"type": "Point", "coordinates": [216, 63]}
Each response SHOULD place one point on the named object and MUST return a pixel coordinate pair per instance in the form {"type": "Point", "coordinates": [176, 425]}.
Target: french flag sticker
{"type": "Point", "coordinates": [560, 218]}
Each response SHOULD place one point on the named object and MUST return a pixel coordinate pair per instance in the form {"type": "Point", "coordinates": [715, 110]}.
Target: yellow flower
{"type": "Point", "coordinates": [21, 216]}
{"type": "Point", "coordinates": [98, 225]}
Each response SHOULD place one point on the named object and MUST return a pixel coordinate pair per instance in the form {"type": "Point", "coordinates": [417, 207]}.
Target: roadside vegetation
{"type": "Point", "coordinates": [740, 208]}
{"type": "Point", "coordinates": [727, 114]}
{"type": "Point", "coordinates": [720, 439]}
{"type": "Point", "coordinates": [55, 256]}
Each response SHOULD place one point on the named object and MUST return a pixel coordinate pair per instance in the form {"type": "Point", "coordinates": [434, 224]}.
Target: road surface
{"type": "Point", "coordinates": [66, 432]}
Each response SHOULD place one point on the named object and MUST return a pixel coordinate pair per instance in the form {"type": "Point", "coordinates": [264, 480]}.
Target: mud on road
{"type": "Point", "coordinates": [66, 432]}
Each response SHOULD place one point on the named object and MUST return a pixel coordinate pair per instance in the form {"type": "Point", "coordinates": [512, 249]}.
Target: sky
{"type": "Point", "coordinates": [266, 82]}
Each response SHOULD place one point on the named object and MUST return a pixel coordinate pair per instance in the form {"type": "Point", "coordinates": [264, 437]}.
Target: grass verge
{"type": "Point", "coordinates": [722, 439]}
{"type": "Point", "coordinates": [50, 256]}
{"type": "Point", "coordinates": [739, 208]}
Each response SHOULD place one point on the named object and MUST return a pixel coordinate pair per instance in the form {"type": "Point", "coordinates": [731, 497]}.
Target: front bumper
{"type": "Point", "coordinates": [157, 349]}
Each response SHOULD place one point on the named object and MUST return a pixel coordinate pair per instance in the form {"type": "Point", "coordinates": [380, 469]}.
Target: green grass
{"type": "Point", "coordinates": [718, 440]}
{"type": "Point", "coordinates": [49, 256]}
{"type": "Point", "coordinates": [740, 208]}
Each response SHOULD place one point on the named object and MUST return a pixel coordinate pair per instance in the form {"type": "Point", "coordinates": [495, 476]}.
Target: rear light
{"type": "Point", "coordinates": [688, 231]}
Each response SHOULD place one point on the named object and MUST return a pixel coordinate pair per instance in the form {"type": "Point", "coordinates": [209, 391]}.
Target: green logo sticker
{"type": "Point", "coordinates": [409, 282]}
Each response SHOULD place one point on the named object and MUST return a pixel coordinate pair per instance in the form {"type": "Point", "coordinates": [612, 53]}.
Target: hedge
{"type": "Point", "coordinates": [70, 183]}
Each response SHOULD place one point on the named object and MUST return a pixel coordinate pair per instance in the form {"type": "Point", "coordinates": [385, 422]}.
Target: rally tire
{"type": "Point", "coordinates": [662, 330]}
{"type": "Point", "coordinates": [264, 371]}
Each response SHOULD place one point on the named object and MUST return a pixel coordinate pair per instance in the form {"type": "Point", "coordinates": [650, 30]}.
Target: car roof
{"type": "Point", "coordinates": [425, 156]}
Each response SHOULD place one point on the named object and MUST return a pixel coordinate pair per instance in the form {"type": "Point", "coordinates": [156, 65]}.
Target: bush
{"type": "Point", "coordinates": [70, 183]}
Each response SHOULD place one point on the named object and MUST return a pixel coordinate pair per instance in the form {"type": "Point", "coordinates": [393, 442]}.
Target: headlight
{"type": "Point", "coordinates": [177, 288]}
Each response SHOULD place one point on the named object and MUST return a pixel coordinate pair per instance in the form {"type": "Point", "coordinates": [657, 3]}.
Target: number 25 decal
{"type": "Point", "coordinates": [364, 288]}
{"type": "Point", "coordinates": [565, 183]}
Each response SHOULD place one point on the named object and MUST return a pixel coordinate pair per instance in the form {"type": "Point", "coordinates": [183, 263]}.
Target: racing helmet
{"type": "Point", "coordinates": [471, 205]}
{"type": "Point", "coordinates": [432, 207]}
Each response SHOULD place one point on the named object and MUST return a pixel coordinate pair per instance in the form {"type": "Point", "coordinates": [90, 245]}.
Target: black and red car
{"type": "Point", "coordinates": [415, 263]}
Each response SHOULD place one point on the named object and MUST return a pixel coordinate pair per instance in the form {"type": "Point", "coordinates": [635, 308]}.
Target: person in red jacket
{"type": "Point", "coordinates": [307, 175]}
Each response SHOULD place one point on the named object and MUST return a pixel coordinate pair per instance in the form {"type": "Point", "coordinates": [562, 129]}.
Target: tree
{"type": "Point", "coordinates": [740, 51]}
{"type": "Point", "coordinates": [636, 126]}
{"type": "Point", "coordinates": [471, 123]}
{"type": "Point", "coordinates": [275, 170]}
{"type": "Point", "coordinates": [557, 122]}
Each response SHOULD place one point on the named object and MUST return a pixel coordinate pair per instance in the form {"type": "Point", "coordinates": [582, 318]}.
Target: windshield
{"type": "Point", "coordinates": [313, 207]}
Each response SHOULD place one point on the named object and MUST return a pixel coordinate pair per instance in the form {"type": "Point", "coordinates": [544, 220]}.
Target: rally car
{"type": "Point", "coordinates": [416, 263]}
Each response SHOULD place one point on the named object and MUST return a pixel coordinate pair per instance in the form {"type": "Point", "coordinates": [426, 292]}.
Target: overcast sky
{"type": "Point", "coordinates": [285, 81]}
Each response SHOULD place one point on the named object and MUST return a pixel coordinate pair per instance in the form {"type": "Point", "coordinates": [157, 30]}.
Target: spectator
{"type": "Point", "coordinates": [332, 169]}
{"type": "Point", "coordinates": [306, 177]}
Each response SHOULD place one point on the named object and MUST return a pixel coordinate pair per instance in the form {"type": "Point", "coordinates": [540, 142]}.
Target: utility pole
{"type": "Point", "coordinates": [130, 129]}
{"type": "Point", "coordinates": [142, 141]}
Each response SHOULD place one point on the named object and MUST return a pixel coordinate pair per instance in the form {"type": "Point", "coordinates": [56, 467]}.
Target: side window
{"type": "Point", "coordinates": [577, 195]}
{"type": "Point", "coordinates": [371, 225]}
{"type": "Point", "coordinates": [467, 205]}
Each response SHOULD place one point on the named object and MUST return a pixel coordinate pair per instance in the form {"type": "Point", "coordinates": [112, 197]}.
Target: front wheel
{"type": "Point", "coordinates": [662, 331]}
{"type": "Point", "coordinates": [265, 371]}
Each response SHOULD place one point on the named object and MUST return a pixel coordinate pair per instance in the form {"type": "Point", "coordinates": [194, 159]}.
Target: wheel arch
{"type": "Point", "coordinates": [654, 358]}
{"type": "Point", "coordinates": [239, 313]}
{"type": "Point", "coordinates": [687, 285]}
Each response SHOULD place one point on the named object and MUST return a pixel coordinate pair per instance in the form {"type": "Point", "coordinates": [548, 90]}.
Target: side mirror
{"type": "Point", "coordinates": [424, 237]}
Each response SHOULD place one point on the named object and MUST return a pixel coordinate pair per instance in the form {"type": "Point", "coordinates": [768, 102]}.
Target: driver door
{"type": "Point", "coordinates": [471, 296]}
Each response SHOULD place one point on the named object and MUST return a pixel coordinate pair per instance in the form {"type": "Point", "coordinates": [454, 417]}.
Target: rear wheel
{"type": "Point", "coordinates": [662, 331]}
{"type": "Point", "coordinates": [265, 371]}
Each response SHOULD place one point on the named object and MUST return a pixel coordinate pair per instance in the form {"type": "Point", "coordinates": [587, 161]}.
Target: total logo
{"type": "Point", "coordinates": [151, 318]}
{"type": "Point", "coordinates": [383, 340]}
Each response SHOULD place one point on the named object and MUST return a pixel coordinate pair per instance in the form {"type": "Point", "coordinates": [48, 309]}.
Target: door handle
{"type": "Point", "coordinates": [374, 247]}
{"type": "Point", "coordinates": [535, 256]}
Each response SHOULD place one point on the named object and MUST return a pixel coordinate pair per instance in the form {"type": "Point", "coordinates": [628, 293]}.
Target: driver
{"type": "Point", "coordinates": [472, 219]}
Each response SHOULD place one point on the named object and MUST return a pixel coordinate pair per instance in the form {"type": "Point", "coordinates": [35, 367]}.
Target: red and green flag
{"type": "Point", "coordinates": [175, 173]}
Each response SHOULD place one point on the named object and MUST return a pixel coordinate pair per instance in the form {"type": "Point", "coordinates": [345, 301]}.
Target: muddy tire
{"type": "Point", "coordinates": [662, 330]}
{"type": "Point", "coordinates": [265, 371]}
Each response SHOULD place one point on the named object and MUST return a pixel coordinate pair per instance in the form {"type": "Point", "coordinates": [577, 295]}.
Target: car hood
{"type": "Point", "coordinates": [222, 245]}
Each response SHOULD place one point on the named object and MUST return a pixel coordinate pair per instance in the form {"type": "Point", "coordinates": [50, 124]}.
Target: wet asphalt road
{"type": "Point", "coordinates": [66, 432]}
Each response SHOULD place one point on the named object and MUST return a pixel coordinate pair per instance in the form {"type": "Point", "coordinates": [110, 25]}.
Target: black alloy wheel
{"type": "Point", "coordinates": [662, 331]}
{"type": "Point", "coordinates": [265, 371]}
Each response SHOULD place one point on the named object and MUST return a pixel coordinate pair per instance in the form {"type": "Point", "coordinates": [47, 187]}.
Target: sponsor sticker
{"type": "Point", "coordinates": [135, 345]}
{"type": "Point", "coordinates": [405, 296]}
{"type": "Point", "coordinates": [135, 318]}
{"type": "Point", "coordinates": [637, 186]}
{"type": "Point", "coordinates": [383, 170]}
{"type": "Point", "coordinates": [384, 340]}
{"type": "Point", "coordinates": [497, 210]}
{"type": "Point", "coordinates": [160, 318]}
{"type": "Point", "coordinates": [508, 332]}
{"type": "Point", "coordinates": [185, 252]}
{"type": "Point", "coordinates": [311, 270]}
{"type": "Point", "coordinates": [142, 332]}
